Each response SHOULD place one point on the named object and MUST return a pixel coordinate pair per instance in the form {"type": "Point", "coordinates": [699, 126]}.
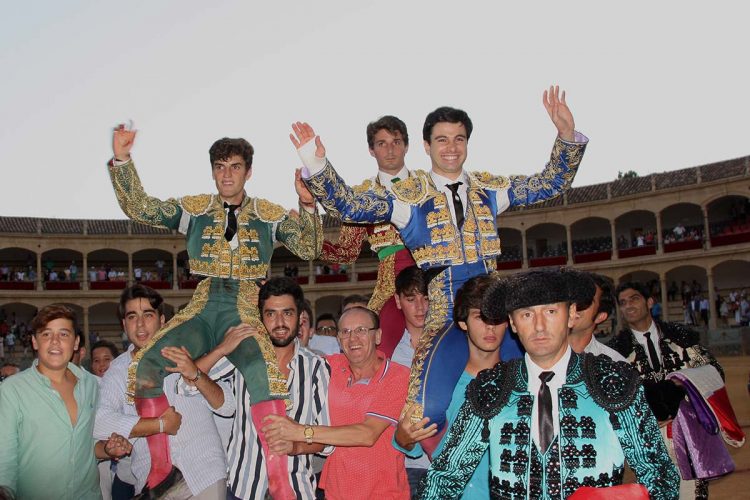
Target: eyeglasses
{"type": "Point", "coordinates": [360, 331]}
{"type": "Point", "coordinates": [327, 330]}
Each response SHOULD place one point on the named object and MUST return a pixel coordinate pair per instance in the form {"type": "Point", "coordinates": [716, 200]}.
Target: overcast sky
{"type": "Point", "coordinates": [656, 86]}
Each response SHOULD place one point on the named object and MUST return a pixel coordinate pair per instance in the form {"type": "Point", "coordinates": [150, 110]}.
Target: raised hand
{"type": "Point", "coordinates": [180, 357]}
{"type": "Point", "coordinates": [408, 433]}
{"type": "Point", "coordinates": [304, 133]}
{"type": "Point", "coordinates": [122, 141]}
{"type": "Point", "coordinates": [305, 196]}
{"type": "Point", "coordinates": [559, 112]}
{"type": "Point", "coordinates": [234, 336]}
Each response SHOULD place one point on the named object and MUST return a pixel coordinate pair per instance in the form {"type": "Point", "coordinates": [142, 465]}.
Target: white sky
{"type": "Point", "coordinates": [656, 86]}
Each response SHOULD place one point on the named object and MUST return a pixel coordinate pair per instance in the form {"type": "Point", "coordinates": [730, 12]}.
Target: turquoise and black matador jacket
{"type": "Point", "coordinates": [202, 219]}
{"type": "Point", "coordinates": [422, 214]}
{"type": "Point", "coordinates": [603, 420]}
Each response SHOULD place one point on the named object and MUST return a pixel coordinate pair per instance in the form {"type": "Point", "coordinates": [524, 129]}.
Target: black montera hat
{"type": "Point", "coordinates": [534, 288]}
{"type": "Point", "coordinates": [493, 302]}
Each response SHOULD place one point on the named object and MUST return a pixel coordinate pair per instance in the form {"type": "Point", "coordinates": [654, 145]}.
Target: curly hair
{"type": "Point", "coordinates": [225, 148]}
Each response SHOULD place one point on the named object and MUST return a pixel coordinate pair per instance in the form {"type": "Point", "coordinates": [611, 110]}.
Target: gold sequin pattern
{"type": "Point", "coordinates": [346, 249]}
{"type": "Point", "coordinates": [137, 204]}
{"type": "Point", "coordinates": [302, 235]}
{"type": "Point", "coordinates": [384, 235]}
{"type": "Point", "coordinates": [267, 211]}
{"type": "Point", "coordinates": [385, 286]}
{"type": "Point", "coordinates": [367, 202]}
{"type": "Point", "coordinates": [196, 205]}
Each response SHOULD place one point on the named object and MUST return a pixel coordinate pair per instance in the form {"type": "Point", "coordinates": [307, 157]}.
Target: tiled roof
{"type": "Point", "coordinates": [723, 169]}
{"type": "Point", "coordinates": [62, 226]}
{"type": "Point", "coordinates": [582, 194]}
{"type": "Point", "coordinates": [585, 194]}
{"type": "Point", "coordinates": [18, 224]}
{"type": "Point", "coordinates": [110, 226]}
{"type": "Point", "coordinates": [626, 187]}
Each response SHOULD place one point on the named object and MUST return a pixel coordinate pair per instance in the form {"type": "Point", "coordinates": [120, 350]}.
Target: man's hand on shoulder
{"type": "Point", "coordinates": [234, 336]}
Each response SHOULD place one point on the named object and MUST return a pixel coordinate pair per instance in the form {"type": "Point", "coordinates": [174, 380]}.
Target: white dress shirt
{"type": "Point", "coordinates": [441, 183]}
{"type": "Point", "coordinates": [196, 448]}
{"type": "Point", "coordinates": [598, 349]}
{"type": "Point", "coordinates": [641, 338]}
{"type": "Point", "coordinates": [560, 368]}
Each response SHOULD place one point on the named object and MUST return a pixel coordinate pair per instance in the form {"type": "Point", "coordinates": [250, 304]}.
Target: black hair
{"type": "Point", "coordinates": [281, 285]}
{"type": "Point", "coordinates": [471, 295]}
{"type": "Point", "coordinates": [411, 280]}
{"type": "Point", "coordinates": [140, 292]}
{"type": "Point", "coordinates": [446, 114]}
{"type": "Point", "coordinates": [390, 123]}
{"type": "Point", "coordinates": [581, 287]}
{"type": "Point", "coordinates": [354, 299]}
{"type": "Point", "coordinates": [225, 148]}
{"type": "Point", "coordinates": [635, 285]}
{"type": "Point", "coordinates": [107, 345]}
{"type": "Point", "coordinates": [324, 317]}
{"type": "Point", "coordinates": [607, 300]}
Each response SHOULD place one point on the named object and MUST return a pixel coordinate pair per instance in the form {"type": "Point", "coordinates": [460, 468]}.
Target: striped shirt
{"type": "Point", "coordinates": [309, 375]}
{"type": "Point", "coordinates": [196, 448]}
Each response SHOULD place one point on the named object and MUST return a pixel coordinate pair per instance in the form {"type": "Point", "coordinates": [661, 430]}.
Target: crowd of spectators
{"type": "Point", "coordinates": [592, 245]}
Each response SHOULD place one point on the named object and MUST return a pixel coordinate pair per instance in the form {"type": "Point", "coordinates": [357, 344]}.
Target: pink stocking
{"type": "Point", "coordinates": [158, 444]}
{"type": "Point", "coordinates": [276, 466]}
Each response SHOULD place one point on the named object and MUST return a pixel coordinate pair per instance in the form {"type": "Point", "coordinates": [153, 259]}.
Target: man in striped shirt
{"type": "Point", "coordinates": [280, 301]}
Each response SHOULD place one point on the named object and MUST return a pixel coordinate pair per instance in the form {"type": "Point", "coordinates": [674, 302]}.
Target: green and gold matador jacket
{"type": "Point", "coordinates": [202, 219]}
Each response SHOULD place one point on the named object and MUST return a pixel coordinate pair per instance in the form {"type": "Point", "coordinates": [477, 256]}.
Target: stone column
{"type": "Point", "coordinates": [85, 274]}
{"type": "Point", "coordinates": [86, 330]}
{"type": "Point", "coordinates": [310, 275]}
{"type": "Point", "coordinates": [712, 312]}
{"type": "Point", "coordinates": [130, 269]}
{"type": "Point", "coordinates": [39, 273]}
{"type": "Point", "coordinates": [353, 272]}
{"type": "Point", "coordinates": [664, 297]}
{"type": "Point", "coordinates": [175, 280]}
{"type": "Point", "coordinates": [569, 238]}
{"type": "Point", "coordinates": [615, 253]}
{"type": "Point", "coordinates": [659, 238]}
{"type": "Point", "coordinates": [524, 250]}
{"type": "Point", "coordinates": [706, 229]}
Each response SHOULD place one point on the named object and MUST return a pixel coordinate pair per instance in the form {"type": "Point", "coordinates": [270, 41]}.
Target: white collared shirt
{"type": "Point", "coordinates": [641, 338]}
{"type": "Point", "coordinates": [560, 368]}
{"type": "Point", "coordinates": [386, 179]}
{"type": "Point", "coordinates": [441, 183]}
{"type": "Point", "coordinates": [598, 349]}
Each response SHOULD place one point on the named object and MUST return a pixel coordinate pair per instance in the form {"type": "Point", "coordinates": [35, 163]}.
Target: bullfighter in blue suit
{"type": "Point", "coordinates": [447, 218]}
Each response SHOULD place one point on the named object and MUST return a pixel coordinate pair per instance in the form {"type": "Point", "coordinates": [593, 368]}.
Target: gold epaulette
{"type": "Point", "coordinates": [196, 205]}
{"type": "Point", "coordinates": [267, 211]}
{"type": "Point", "coordinates": [486, 180]}
{"type": "Point", "coordinates": [413, 190]}
{"type": "Point", "coordinates": [369, 185]}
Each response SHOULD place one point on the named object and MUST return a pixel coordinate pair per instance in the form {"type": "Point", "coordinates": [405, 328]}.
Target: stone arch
{"type": "Point", "coordinates": [328, 304]}
{"type": "Point", "coordinates": [547, 244]}
{"type": "Point", "coordinates": [154, 265]}
{"type": "Point", "coordinates": [511, 244]}
{"type": "Point", "coordinates": [21, 268]}
{"type": "Point", "coordinates": [591, 239]}
{"type": "Point", "coordinates": [729, 220]}
{"type": "Point", "coordinates": [731, 274]}
{"type": "Point", "coordinates": [62, 268]}
{"type": "Point", "coordinates": [682, 222]}
{"type": "Point", "coordinates": [636, 233]}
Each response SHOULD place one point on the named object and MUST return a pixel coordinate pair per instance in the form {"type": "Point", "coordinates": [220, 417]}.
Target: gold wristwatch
{"type": "Point", "coordinates": [309, 433]}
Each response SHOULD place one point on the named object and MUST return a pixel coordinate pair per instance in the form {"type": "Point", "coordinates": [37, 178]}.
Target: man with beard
{"type": "Point", "coordinates": [280, 301]}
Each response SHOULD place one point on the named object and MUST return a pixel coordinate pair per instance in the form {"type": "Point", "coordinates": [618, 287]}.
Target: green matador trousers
{"type": "Point", "coordinates": [217, 305]}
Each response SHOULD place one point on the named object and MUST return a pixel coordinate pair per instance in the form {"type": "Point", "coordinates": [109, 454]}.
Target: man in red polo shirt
{"type": "Point", "coordinates": [365, 397]}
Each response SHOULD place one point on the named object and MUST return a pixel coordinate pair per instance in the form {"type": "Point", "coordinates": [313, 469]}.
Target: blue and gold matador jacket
{"type": "Point", "coordinates": [422, 215]}
{"type": "Point", "coordinates": [603, 420]}
{"type": "Point", "coordinates": [202, 218]}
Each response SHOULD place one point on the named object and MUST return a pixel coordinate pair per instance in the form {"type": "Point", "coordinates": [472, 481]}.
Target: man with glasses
{"type": "Point", "coordinates": [365, 397]}
{"type": "Point", "coordinates": [324, 338]}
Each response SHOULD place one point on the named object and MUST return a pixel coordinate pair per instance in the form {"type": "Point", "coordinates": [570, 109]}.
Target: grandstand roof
{"type": "Point", "coordinates": [583, 194]}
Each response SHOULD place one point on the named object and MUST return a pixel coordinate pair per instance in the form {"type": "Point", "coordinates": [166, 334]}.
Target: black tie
{"type": "Point", "coordinates": [231, 221]}
{"type": "Point", "coordinates": [652, 353]}
{"type": "Point", "coordinates": [457, 205]}
{"type": "Point", "coordinates": [544, 400]}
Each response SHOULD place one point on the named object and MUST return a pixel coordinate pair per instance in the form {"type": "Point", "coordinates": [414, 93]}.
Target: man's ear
{"type": "Point", "coordinates": [378, 334]}
{"type": "Point", "coordinates": [463, 326]}
{"type": "Point", "coordinates": [650, 303]}
{"type": "Point", "coordinates": [426, 147]}
{"type": "Point", "coordinates": [572, 311]}
{"type": "Point", "coordinates": [372, 152]}
{"type": "Point", "coordinates": [398, 301]}
{"type": "Point", "coordinates": [601, 318]}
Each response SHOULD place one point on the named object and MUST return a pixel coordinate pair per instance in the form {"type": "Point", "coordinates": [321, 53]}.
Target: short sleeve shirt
{"type": "Point", "coordinates": [357, 472]}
